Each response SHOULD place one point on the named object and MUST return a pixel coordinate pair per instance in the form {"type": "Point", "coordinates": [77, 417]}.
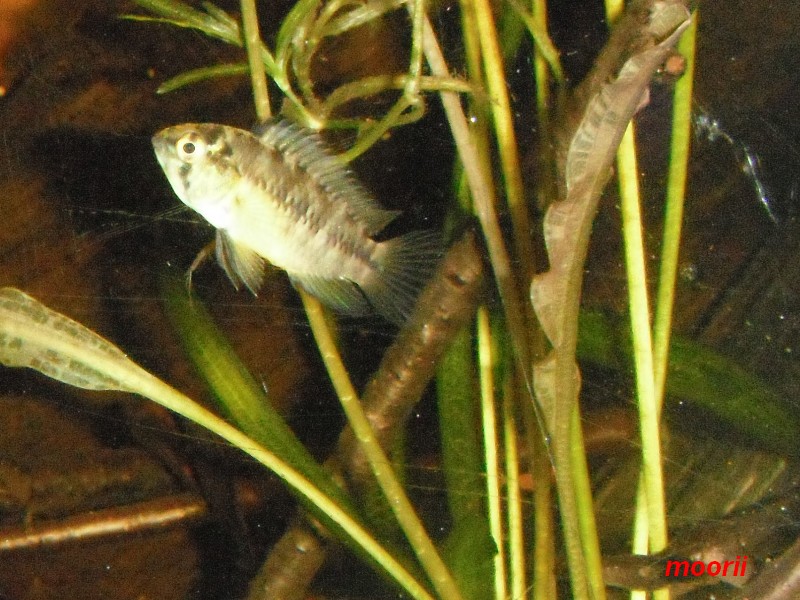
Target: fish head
{"type": "Point", "coordinates": [199, 164]}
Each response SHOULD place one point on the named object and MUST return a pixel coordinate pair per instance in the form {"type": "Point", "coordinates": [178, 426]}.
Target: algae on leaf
{"type": "Point", "coordinates": [39, 338]}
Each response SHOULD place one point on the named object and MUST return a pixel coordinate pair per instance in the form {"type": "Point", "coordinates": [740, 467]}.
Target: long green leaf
{"type": "Point", "coordinates": [183, 15]}
{"type": "Point", "coordinates": [35, 336]}
{"type": "Point", "coordinates": [704, 378]}
{"type": "Point", "coordinates": [238, 394]}
{"type": "Point", "coordinates": [202, 74]}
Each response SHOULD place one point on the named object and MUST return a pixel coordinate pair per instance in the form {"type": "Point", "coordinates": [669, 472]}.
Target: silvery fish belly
{"type": "Point", "coordinates": [279, 195]}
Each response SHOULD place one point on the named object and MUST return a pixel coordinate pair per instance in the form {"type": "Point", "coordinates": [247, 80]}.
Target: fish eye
{"type": "Point", "coordinates": [190, 147]}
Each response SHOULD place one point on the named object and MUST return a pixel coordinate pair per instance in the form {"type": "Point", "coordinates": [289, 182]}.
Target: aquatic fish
{"type": "Point", "coordinates": [279, 195]}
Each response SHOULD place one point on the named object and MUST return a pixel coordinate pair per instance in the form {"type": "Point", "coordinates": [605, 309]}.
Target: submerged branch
{"type": "Point", "coordinates": [444, 307]}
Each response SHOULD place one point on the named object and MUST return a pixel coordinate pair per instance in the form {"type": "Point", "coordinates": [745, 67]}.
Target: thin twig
{"type": "Point", "coordinates": [252, 42]}
{"type": "Point", "coordinates": [161, 513]}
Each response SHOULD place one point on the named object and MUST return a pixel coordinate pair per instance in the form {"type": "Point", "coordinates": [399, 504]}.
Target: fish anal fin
{"type": "Point", "coordinates": [241, 264]}
{"type": "Point", "coordinates": [342, 295]}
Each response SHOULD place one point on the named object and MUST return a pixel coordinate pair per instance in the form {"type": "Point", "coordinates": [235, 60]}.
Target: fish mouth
{"type": "Point", "coordinates": [159, 143]}
{"type": "Point", "coordinates": [162, 148]}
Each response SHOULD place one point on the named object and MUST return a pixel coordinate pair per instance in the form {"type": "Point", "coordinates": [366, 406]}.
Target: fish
{"type": "Point", "coordinates": [278, 195]}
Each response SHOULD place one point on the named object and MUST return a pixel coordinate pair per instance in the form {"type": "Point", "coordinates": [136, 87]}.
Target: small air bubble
{"type": "Point", "coordinates": [689, 273]}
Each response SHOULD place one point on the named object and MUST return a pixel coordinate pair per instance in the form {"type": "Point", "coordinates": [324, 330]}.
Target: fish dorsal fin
{"type": "Point", "coordinates": [307, 150]}
{"type": "Point", "coordinates": [242, 265]}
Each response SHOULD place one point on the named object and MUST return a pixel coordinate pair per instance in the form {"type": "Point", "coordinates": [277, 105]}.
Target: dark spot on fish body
{"type": "Point", "coordinates": [225, 151]}
{"type": "Point", "coordinates": [456, 280]}
{"type": "Point", "coordinates": [213, 134]}
{"type": "Point", "coordinates": [361, 248]}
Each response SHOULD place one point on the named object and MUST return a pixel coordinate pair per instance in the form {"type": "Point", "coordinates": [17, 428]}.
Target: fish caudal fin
{"type": "Point", "coordinates": [407, 264]}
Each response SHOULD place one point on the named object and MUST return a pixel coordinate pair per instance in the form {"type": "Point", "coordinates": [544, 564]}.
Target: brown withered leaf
{"type": "Point", "coordinates": [555, 294]}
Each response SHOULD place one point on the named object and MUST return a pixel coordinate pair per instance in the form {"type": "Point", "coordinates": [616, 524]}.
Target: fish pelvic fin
{"type": "Point", "coordinates": [241, 264]}
{"type": "Point", "coordinates": [405, 267]}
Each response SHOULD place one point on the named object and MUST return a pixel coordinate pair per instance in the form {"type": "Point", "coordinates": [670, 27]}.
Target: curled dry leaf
{"type": "Point", "coordinates": [556, 294]}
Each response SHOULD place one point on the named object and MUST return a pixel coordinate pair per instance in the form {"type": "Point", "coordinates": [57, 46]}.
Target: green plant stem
{"type": "Point", "coordinates": [491, 445]}
{"type": "Point", "coordinates": [401, 506]}
{"type": "Point", "coordinates": [585, 508]}
{"type": "Point", "coordinates": [544, 556]}
{"type": "Point", "coordinates": [375, 132]}
{"type": "Point", "coordinates": [676, 188]}
{"type": "Point", "coordinates": [252, 42]}
{"type": "Point", "coordinates": [484, 202]}
{"type": "Point", "coordinates": [494, 72]}
{"type": "Point", "coordinates": [472, 47]}
{"type": "Point", "coordinates": [516, 537]}
{"type": "Point", "coordinates": [614, 9]}
{"type": "Point", "coordinates": [676, 191]}
{"type": "Point", "coordinates": [375, 84]}
{"type": "Point", "coordinates": [477, 102]}
{"type": "Point", "coordinates": [563, 456]}
{"type": "Point", "coordinates": [417, 8]}
{"type": "Point", "coordinates": [652, 479]}
{"type": "Point", "coordinates": [642, 345]}
{"type": "Point", "coordinates": [540, 70]}
{"type": "Point", "coordinates": [544, 539]}
{"type": "Point", "coordinates": [202, 74]}
{"type": "Point", "coordinates": [545, 50]}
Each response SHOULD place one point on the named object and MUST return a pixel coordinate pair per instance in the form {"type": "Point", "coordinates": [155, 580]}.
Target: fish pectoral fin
{"type": "Point", "coordinates": [241, 264]}
{"type": "Point", "coordinates": [342, 295]}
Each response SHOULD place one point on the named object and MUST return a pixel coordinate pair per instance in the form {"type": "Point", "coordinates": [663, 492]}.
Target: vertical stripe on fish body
{"type": "Point", "coordinates": [280, 195]}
